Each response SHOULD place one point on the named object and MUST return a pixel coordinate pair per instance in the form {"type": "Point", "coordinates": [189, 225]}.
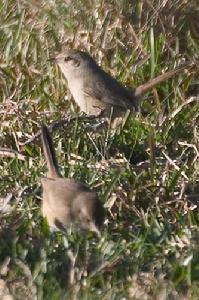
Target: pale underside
{"type": "Point", "coordinates": [88, 105]}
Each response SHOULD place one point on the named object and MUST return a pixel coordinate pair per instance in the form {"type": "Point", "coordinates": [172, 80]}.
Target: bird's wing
{"type": "Point", "coordinates": [110, 91]}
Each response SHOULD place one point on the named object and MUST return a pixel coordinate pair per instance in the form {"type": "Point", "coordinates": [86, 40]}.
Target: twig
{"type": "Point", "coordinates": [5, 266]}
{"type": "Point", "coordinates": [188, 101]}
{"type": "Point", "coordinates": [6, 152]}
{"type": "Point", "coordinates": [137, 40]}
{"type": "Point", "coordinates": [56, 125]}
{"type": "Point", "coordinates": [4, 203]}
{"type": "Point", "coordinates": [174, 165]}
{"type": "Point", "coordinates": [103, 266]}
{"type": "Point", "coordinates": [27, 272]}
{"type": "Point", "coordinates": [190, 146]}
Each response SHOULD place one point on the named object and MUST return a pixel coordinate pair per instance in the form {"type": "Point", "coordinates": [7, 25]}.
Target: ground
{"type": "Point", "coordinates": [146, 174]}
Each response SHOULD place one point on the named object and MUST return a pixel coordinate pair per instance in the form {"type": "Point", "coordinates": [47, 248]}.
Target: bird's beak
{"type": "Point", "coordinates": [52, 59]}
{"type": "Point", "coordinates": [57, 58]}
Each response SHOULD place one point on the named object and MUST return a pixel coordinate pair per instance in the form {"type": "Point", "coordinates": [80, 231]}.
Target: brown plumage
{"type": "Point", "coordinates": [96, 92]}
{"type": "Point", "coordinates": [65, 200]}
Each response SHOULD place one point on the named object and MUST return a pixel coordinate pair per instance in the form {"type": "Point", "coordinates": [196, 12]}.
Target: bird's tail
{"type": "Point", "coordinates": [140, 90]}
{"type": "Point", "coordinates": [49, 153]}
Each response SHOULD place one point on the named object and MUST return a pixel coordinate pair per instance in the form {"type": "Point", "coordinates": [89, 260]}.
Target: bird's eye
{"type": "Point", "coordinates": [73, 61]}
{"type": "Point", "coordinates": [67, 58]}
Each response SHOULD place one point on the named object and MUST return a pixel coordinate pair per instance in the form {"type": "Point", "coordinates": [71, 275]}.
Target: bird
{"type": "Point", "coordinates": [96, 92]}
{"type": "Point", "coordinates": [66, 201]}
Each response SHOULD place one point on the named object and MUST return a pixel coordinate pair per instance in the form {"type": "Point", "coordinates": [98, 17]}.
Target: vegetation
{"type": "Point", "coordinates": [146, 174]}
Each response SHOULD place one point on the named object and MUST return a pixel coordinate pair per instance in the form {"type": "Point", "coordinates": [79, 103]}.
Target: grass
{"type": "Point", "coordinates": [146, 174]}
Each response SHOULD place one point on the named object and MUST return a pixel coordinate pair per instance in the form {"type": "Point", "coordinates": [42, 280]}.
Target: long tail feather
{"type": "Point", "coordinates": [49, 153]}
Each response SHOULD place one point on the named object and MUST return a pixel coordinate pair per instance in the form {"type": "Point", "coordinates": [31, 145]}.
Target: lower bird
{"type": "Point", "coordinates": [66, 201]}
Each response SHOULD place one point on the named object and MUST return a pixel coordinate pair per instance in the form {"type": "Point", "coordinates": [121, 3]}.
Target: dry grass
{"type": "Point", "coordinates": [146, 175]}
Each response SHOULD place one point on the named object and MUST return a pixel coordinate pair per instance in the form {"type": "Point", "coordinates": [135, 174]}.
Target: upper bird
{"type": "Point", "coordinates": [95, 91]}
{"type": "Point", "coordinates": [66, 201]}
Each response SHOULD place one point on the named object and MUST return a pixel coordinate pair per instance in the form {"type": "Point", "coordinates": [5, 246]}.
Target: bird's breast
{"type": "Point", "coordinates": [86, 103]}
